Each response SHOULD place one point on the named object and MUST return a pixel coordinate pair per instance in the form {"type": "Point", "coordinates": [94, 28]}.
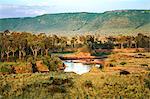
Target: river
{"type": "Point", "coordinates": [79, 68]}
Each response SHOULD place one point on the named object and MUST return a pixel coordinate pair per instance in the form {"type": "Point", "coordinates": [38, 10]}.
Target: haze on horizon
{"type": "Point", "coordinates": [29, 8]}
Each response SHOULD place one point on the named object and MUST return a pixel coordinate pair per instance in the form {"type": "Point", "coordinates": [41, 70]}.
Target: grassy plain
{"type": "Point", "coordinates": [96, 84]}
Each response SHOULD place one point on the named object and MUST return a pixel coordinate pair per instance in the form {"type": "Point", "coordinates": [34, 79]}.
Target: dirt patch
{"type": "Point", "coordinates": [41, 67]}
{"type": "Point", "coordinates": [129, 69]}
{"type": "Point", "coordinates": [22, 69]}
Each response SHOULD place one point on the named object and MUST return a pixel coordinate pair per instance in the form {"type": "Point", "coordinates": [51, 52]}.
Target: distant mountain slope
{"type": "Point", "coordinates": [111, 22]}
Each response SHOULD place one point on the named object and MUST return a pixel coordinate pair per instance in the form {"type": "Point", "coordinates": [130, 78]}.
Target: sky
{"type": "Point", "coordinates": [30, 8]}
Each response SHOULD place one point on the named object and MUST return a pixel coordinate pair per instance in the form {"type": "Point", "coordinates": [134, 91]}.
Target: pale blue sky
{"type": "Point", "coordinates": [27, 8]}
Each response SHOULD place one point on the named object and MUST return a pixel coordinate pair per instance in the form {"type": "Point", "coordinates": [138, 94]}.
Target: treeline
{"type": "Point", "coordinates": [21, 45]}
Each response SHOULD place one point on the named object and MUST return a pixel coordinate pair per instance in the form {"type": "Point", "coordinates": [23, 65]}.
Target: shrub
{"type": "Point", "coordinates": [141, 54]}
{"type": "Point", "coordinates": [61, 81]}
{"type": "Point", "coordinates": [5, 69]}
{"type": "Point", "coordinates": [144, 65]}
{"type": "Point", "coordinates": [101, 53]}
{"type": "Point", "coordinates": [30, 59]}
{"type": "Point", "coordinates": [88, 83]}
{"type": "Point", "coordinates": [6, 89]}
{"type": "Point", "coordinates": [60, 85]}
{"type": "Point", "coordinates": [58, 89]}
{"type": "Point", "coordinates": [101, 66]}
{"type": "Point", "coordinates": [147, 83]}
{"type": "Point", "coordinates": [111, 65]}
{"type": "Point", "coordinates": [123, 63]}
{"type": "Point", "coordinates": [53, 63]}
{"type": "Point", "coordinates": [124, 72]}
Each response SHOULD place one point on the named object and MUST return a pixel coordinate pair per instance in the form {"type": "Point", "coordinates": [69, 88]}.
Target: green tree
{"type": "Point", "coordinates": [63, 43]}
{"type": "Point", "coordinates": [73, 42]}
{"type": "Point", "coordinates": [48, 44]}
{"type": "Point", "coordinates": [35, 44]}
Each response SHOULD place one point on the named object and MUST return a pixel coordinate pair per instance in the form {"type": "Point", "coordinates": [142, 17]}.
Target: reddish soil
{"type": "Point", "coordinates": [81, 55]}
{"type": "Point", "coordinates": [125, 50]}
{"type": "Point", "coordinates": [41, 67]}
{"type": "Point", "coordinates": [23, 69]}
{"type": "Point", "coordinates": [129, 69]}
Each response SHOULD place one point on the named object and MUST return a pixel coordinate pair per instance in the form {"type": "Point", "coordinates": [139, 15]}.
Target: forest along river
{"type": "Point", "coordinates": [79, 68]}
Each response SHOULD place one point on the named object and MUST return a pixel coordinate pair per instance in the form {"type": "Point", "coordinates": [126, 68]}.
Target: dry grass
{"type": "Point", "coordinates": [97, 84]}
{"type": "Point", "coordinates": [129, 61]}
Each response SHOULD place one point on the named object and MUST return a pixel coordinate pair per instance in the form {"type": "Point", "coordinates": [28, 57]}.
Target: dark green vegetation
{"type": "Point", "coordinates": [125, 22]}
{"type": "Point", "coordinates": [16, 46]}
{"type": "Point", "coordinates": [101, 53]}
{"type": "Point", "coordinates": [123, 63]}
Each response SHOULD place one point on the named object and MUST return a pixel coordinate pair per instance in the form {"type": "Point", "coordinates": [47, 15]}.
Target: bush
{"type": "Point", "coordinates": [88, 83]}
{"type": "Point", "coordinates": [30, 59]}
{"type": "Point", "coordinates": [141, 54]}
{"type": "Point", "coordinates": [5, 69]}
{"type": "Point", "coordinates": [58, 89]}
{"type": "Point", "coordinates": [123, 63]}
{"type": "Point", "coordinates": [6, 89]}
{"type": "Point", "coordinates": [147, 83]}
{"type": "Point", "coordinates": [101, 53]}
{"type": "Point", "coordinates": [101, 66]}
{"type": "Point", "coordinates": [111, 65]}
{"type": "Point", "coordinates": [144, 65]}
{"type": "Point", "coordinates": [60, 85]}
{"type": "Point", "coordinates": [53, 63]}
{"type": "Point", "coordinates": [61, 81]}
{"type": "Point", "coordinates": [124, 72]}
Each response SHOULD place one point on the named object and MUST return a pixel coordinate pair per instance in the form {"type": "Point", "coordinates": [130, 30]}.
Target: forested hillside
{"type": "Point", "coordinates": [110, 22]}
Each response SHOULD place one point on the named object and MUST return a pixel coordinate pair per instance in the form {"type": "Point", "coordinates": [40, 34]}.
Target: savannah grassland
{"type": "Point", "coordinates": [125, 72]}
{"type": "Point", "coordinates": [105, 83]}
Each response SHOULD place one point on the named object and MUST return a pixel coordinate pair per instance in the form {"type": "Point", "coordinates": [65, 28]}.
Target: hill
{"type": "Point", "coordinates": [108, 23]}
